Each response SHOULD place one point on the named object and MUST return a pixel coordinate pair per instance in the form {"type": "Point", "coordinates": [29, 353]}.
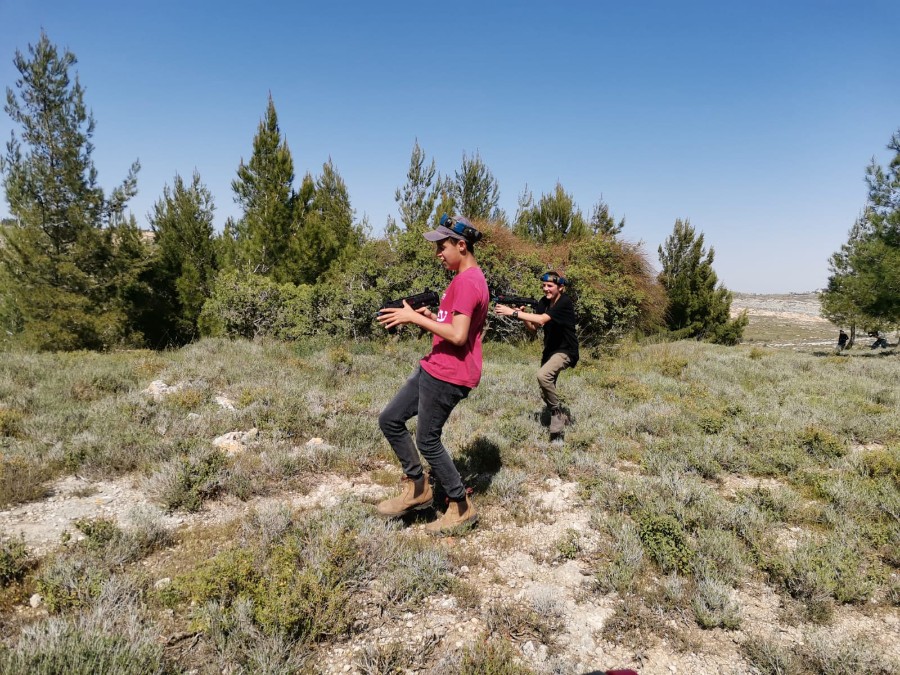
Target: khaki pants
{"type": "Point", "coordinates": [547, 378]}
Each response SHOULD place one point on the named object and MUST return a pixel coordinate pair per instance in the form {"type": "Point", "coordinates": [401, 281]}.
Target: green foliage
{"type": "Point", "coordinates": [14, 560]}
{"type": "Point", "coordinates": [328, 232]}
{"type": "Point", "coordinates": [183, 264]}
{"type": "Point", "coordinates": [698, 308]}
{"type": "Point", "coordinates": [821, 443]}
{"type": "Point", "coordinates": [418, 196]}
{"type": "Point", "coordinates": [864, 286]}
{"type": "Point", "coordinates": [249, 306]}
{"type": "Point", "coordinates": [72, 650]}
{"type": "Point", "coordinates": [302, 586]}
{"type": "Point", "coordinates": [69, 259]}
{"type": "Point", "coordinates": [69, 581]}
{"type": "Point", "coordinates": [264, 236]}
{"type": "Point", "coordinates": [553, 219]}
{"type": "Point", "coordinates": [665, 541]}
{"type": "Point", "coordinates": [98, 532]}
{"type": "Point", "coordinates": [474, 191]}
{"type": "Point", "coordinates": [186, 482]}
{"type": "Point", "coordinates": [834, 568]}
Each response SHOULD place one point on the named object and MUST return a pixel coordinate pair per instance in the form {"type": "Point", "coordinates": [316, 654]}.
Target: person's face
{"type": "Point", "coordinates": [449, 253]}
{"type": "Point", "coordinates": [551, 290]}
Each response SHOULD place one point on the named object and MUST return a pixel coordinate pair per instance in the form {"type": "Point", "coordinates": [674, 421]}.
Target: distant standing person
{"type": "Point", "coordinates": [442, 379]}
{"type": "Point", "coordinates": [555, 313]}
{"type": "Point", "coordinates": [843, 338]}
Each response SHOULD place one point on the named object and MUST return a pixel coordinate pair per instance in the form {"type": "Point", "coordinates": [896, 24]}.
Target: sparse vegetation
{"type": "Point", "coordinates": [696, 472]}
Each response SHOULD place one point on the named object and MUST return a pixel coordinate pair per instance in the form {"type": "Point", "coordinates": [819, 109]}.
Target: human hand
{"type": "Point", "coordinates": [397, 316]}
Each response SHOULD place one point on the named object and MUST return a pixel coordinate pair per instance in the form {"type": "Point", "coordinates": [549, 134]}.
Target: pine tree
{"type": "Point", "coordinates": [475, 190]}
{"type": "Point", "coordinates": [602, 221]}
{"type": "Point", "coordinates": [184, 263]}
{"type": "Point", "coordinates": [417, 197]}
{"type": "Point", "coordinates": [61, 258]}
{"type": "Point", "coordinates": [554, 218]}
{"type": "Point", "coordinates": [264, 189]}
{"type": "Point", "coordinates": [328, 231]}
{"type": "Point", "coordinates": [864, 286]}
{"type": "Point", "coordinates": [698, 307]}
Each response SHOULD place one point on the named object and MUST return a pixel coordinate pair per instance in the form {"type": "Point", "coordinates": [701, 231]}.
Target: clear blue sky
{"type": "Point", "coordinates": [755, 120]}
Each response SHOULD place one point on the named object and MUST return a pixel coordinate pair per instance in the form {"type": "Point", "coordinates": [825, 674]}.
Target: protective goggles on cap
{"type": "Point", "coordinates": [462, 229]}
{"type": "Point", "coordinates": [553, 278]}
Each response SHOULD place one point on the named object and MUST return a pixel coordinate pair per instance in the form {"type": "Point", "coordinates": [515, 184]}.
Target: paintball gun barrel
{"type": "Point", "coordinates": [426, 298]}
{"type": "Point", "coordinates": [514, 300]}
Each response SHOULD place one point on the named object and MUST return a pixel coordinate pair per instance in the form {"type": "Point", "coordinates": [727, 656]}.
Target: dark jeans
{"type": "Point", "coordinates": [432, 400]}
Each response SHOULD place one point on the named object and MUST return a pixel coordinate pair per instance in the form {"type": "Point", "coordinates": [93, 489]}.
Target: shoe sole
{"type": "Point", "coordinates": [400, 514]}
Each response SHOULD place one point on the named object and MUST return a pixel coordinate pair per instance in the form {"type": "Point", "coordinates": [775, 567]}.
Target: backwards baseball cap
{"type": "Point", "coordinates": [454, 228]}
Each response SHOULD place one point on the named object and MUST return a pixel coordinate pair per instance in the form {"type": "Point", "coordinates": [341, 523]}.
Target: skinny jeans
{"type": "Point", "coordinates": [432, 400]}
{"type": "Point", "coordinates": [547, 375]}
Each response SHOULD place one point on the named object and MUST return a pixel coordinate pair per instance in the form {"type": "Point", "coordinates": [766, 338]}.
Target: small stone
{"type": "Point", "coordinates": [464, 569]}
{"type": "Point", "coordinates": [165, 582]}
{"type": "Point", "coordinates": [35, 600]}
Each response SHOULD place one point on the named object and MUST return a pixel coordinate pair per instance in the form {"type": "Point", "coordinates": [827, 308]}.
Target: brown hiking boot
{"type": "Point", "coordinates": [558, 421]}
{"type": "Point", "coordinates": [457, 516]}
{"type": "Point", "coordinates": [416, 495]}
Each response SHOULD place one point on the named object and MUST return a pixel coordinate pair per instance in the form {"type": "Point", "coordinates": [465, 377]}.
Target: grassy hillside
{"type": "Point", "coordinates": [713, 509]}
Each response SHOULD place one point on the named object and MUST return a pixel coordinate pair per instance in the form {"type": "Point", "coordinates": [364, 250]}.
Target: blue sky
{"type": "Point", "coordinates": [754, 120]}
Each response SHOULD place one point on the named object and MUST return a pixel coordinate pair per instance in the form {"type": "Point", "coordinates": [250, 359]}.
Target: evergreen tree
{"type": "Point", "coordinates": [184, 263]}
{"type": "Point", "coordinates": [553, 219]}
{"type": "Point", "coordinates": [328, 231]}
{"type": "Point", "coordinates": [66, 259]}
{"type": "Point", "coordinates": [843, 296]}
{"type": "Point", "coordinates": [602, 221]}
{"type": "Point", "coordinates": [264, 189]}
{"type": "Point", "coordinates": [698, 307]}
{"type": "Point", "coordinates": [417, 197]}
{"type": "Point", "coordinates": [476, 192]}
{"type": "Point", "coordinates": [864, 286]}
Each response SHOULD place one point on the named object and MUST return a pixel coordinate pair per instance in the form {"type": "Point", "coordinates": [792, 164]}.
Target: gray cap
{"type": "Point", "coordinates": [461, 223]}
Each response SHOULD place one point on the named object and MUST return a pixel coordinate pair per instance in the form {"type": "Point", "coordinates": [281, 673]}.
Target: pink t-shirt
{"type": "Point", "coordinates": [467, 294]}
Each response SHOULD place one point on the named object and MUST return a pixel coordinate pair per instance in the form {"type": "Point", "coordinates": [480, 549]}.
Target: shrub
{"type": "Point", "coordinates": [821, 443]}
{"type": "Point", "coordinates": [665, 541]}
{"type": "Point", "coordinates": [14, 560]}
{"type": "Point", "coordinates": [108, 638]}
{"type": "Point", "coordinates": [714, 605]}
{"type": "Point", "coordinates": [491, 657]}
{"type": "Point", "coordinates": [69, 581]}
{"type": "Point", "coordinates": [771, 657]}
{"type": "Point", "coordinates": [252, 305]}
{"type": "Point", "coordinates": [21, 480]}
{"type": "Point", "coordinates": [186, 482]}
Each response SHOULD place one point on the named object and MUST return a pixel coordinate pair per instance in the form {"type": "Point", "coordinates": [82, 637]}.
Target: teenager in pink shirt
{"type": "Point", "coordinates": [443, 378]}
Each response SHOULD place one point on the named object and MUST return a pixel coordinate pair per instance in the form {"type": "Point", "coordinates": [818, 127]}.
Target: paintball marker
{"type": "Point", "coordinates": [514, 300]}
{"type": "Point", "coordinates": [424, 299]}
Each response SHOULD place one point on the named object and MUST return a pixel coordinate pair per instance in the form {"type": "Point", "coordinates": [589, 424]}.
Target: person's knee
{"type": "Point", "coordinates": [387, 422]}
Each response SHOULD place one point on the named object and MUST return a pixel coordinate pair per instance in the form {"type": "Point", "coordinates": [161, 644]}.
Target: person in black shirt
{"type": "Point", "coordinates": [555, 312]}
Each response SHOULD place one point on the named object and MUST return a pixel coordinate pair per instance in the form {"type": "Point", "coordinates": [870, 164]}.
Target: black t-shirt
{"type": "Point", "coordinates": [559, 332]}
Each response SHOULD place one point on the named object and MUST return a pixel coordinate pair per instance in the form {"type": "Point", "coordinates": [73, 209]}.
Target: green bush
{"type": "Point", "coordinates": [821, 443]}
{"type": "Point", "coordinates": [251, 305]}
{"type": "Point", "coordinates": [14, 560]}
{"type": "Point", "coordinates": [665, 541]}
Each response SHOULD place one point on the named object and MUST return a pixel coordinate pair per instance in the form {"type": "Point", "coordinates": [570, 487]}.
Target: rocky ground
{"type": "Point", "coordinates": [511, 562]}
{"type": "Point", "coordinates": [511, 559]}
